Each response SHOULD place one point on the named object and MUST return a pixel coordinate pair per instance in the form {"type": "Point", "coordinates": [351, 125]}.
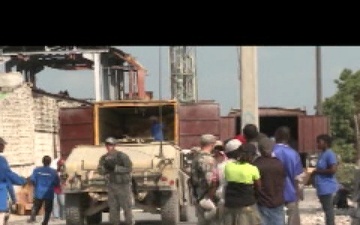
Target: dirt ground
{"type": "Point", "coordinates": [310, 211]}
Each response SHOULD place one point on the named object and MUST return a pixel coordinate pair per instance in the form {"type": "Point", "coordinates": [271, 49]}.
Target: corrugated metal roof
{"type": "Point", "coordinates": [68, 57]}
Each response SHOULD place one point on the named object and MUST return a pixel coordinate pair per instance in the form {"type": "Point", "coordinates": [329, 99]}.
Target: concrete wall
{"type": "Point", "coordinates": [29, 123]}
{"type": "Point", "coordinates": [17, 128]}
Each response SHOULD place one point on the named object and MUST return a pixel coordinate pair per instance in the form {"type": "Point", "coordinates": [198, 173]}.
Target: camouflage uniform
{"type": "Point", "coordinates": [117, 167]}
{"type": "Point", "coordinates": [201, 178]}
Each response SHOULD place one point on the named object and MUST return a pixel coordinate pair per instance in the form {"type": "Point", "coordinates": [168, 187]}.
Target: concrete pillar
{"type": "Point", "coordinates": [112, 84]}
{"type": "Point", "coordinates": [121, 83]}
{"type": "Point", "coordinates": [106, 88]}
{"type": "Point", "coordinates": [98, 77]}
{"type": "Point", "coordinates": [249, 86]}
{"type": "Point", "coordinates": [141, 83]}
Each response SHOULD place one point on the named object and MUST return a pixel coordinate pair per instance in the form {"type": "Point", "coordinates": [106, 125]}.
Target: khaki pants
{"type": "Point", "coordinates": [248, 215]}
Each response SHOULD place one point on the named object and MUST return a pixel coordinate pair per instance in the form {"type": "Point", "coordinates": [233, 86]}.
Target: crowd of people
{"type": "Point", "coordinates": [248, 180]}
{"type": "Point", "coordinates": [257, 180]}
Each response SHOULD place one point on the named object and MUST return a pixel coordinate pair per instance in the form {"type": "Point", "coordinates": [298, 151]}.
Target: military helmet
{"type": "Point", "coordinates": [110, 140]}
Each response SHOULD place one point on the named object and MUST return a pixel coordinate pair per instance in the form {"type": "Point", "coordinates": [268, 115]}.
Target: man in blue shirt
{"type": "Point", "coordinates": [293, 168]}
{"type": "Point", "coordinates": [156, 129]}
{"type": "Point", "coordinates": [7, 179]}
{"type": "Point", "coordinates": [45, 179]}
{"type": "Point", "coordinates": [325, 182]}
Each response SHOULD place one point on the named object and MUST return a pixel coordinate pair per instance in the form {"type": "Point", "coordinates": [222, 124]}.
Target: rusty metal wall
{"type": "Point", "coordinates": [196, 119]}
{"type": "Point", "coordinates": [76, 127]}
{"type": "Point", "coordinates": [228, 127]}
{"type": "Point", "coordinates": [273, 111]}
{"type": "Point", "coordinates": [309, 127]}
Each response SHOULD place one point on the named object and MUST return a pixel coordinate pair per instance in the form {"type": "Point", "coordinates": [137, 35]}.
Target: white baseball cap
{"type": "Point", "coordinates": [232, 145]}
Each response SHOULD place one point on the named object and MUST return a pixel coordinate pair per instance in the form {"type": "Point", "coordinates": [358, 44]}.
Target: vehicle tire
{"type": "Point", "coordinates": [94, 219]}
{"type": "Point", "coordinates": [170, 209]}
{"type": "Point", "coordinates": [184, 213]}
{"type": "Point", "coordinates": [74, 209]}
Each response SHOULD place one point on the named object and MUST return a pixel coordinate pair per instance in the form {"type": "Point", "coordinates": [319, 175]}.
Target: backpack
{"type": "Point", "coordinates": [197, 177]}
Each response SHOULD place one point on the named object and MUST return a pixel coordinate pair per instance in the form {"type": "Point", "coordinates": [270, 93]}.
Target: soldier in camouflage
{"type": "Point", "coordinates": [117, 167]}
{"type": "Point", "coordinates": [201, 176]}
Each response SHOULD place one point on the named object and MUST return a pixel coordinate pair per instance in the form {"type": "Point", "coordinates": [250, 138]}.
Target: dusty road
{"type": "Point", "coordinates": [311, 214]}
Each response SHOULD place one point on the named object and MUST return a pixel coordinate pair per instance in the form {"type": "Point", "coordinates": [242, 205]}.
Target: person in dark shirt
{"type": "Point", "coordinates": [45, 179]}
{"type": "Point", "coordinates": [270, 197]}
{"type": "Point", "coordinates": [252, 135]}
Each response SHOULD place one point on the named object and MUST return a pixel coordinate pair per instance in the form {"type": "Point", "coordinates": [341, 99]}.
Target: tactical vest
{"type": "Point", "coordinates": [119, 178]}
{"type": "Point", "coordinates": [198, 181]}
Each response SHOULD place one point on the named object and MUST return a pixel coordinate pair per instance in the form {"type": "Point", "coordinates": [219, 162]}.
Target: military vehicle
{"type": "Point", "coordinates": [160, 168]}
{"type": "Point", "coordinates": [158, 182]}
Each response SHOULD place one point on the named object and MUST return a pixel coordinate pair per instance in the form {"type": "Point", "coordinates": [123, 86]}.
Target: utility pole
{"type": "Point", "coordinates": [249, 86]}
{"type": "Point", "coordinates": [319, 110]}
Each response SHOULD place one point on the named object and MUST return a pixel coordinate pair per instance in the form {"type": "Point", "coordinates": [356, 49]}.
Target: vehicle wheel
{"type": "Point", "coordinates": [94, 219]}
{"type": "Point", "coordinates": [170, 209]}
{"type": "Point", "coordinates": [184, 215]}
{"type": "Point", "coordinates": [74, 209]}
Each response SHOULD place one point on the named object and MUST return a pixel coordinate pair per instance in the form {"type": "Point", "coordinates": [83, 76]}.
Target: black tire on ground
{"type": "Point", "coordinates": [170, 209]}
{"type": "Point", "coordinates": [94, 219]}
{"type": "Point", "coordinates": [184, 213]}
{"type": "Point", "coordinates": [74, 209]}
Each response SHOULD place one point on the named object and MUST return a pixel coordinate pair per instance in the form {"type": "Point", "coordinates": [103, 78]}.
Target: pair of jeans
{"type": "Point", "coordinates": [328, 207]}
{"type": "Point", "coordinates": [58, 206]}
{"type": "Point", "coordinates": [272, 216]}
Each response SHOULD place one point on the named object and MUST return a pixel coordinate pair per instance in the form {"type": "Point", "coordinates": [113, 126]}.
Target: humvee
{"type": "Point", "coordinates": [160, 168]}
{"type": "Point", "coordinates": [158, 182]}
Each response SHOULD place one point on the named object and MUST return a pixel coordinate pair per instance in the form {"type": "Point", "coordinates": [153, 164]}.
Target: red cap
{"type": "Point", "coordinates": [241, 138]}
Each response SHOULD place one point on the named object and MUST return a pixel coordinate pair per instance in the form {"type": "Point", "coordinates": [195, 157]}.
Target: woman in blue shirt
{"type": "Point", "coordinates": [325, 182]}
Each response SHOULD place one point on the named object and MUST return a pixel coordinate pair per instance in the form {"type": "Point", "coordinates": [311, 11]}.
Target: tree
{"type": "Point", "coordinates": [341, 108]}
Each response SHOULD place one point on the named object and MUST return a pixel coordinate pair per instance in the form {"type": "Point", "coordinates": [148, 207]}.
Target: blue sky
{"type": "Point", "coordinates": [286, 74]}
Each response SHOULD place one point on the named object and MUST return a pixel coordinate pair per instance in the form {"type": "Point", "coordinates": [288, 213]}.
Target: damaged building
{"type": "Point", "coordinates": [29, 122]}
{"type": "Point", "coordinates": [29, 117]}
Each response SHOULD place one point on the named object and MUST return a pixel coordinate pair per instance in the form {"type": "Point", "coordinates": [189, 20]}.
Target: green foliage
{"type": "Point", "coordinates": [345, 175]}
{"type": "Point", "coordinates": [341, 108]}
{"type": "Point", "coordinates": [345, 150]}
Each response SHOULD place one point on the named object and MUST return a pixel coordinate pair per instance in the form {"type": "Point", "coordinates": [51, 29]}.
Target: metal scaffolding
{"type": "Point", "coordinates": [183, 73]}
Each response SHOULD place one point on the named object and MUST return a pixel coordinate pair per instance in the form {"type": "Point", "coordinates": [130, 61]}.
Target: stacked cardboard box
{"type": "Point", "coordinates": [25, 200]}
